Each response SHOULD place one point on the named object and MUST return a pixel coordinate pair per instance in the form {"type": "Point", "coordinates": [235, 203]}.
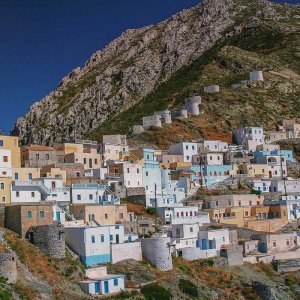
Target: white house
{"type": "Point", "coordinates": [5, 163]}
{"type": "Point", "coordinates": [249, 137]}
{"type": "Point", "coordinates": [208, 159]}
{"type": "Point", "coordinates": [214, 146]}
{"type": "Point", "coordinates": [102, 244]}
{"type": "Point", "coordinates": [99, 282]}
{"type": "Point", "coordinates": [186, 149]}
{"type": "Point", "coordinates": [213, 239]}
{"type": "Point", "coordinates": [44, 189]}
{"type": "Point", "coordinates": [93, 193]}
{"type": "Point", "coordinates": [184, 235]}
{"type": "Point", "coordinates": [180, 214]}
{"type": "Point", "coordinates": [293, 206]}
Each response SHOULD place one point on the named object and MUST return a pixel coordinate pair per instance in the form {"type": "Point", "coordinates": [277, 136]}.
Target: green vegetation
{"type": "Point", "coordinates": [188, 288]}
{"type": "Point", "coordinates": [5, 294]}
{"type": "Point", "coordinates": [155, 292]}
{"type": "Point", "coordinates": [151, 210]}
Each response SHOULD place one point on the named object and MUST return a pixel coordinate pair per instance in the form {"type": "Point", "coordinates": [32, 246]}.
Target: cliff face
{"type": "Point", "coordinates": [117, 79]}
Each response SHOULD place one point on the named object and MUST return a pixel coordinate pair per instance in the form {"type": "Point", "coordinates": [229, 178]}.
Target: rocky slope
{"type": "Point", "coordinates": [156, 66]}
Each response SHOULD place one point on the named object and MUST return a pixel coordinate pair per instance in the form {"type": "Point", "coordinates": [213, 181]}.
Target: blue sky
{"type": "Point", "coordinates": [42, 41]}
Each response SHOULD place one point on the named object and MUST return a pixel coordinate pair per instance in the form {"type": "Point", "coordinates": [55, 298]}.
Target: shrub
{"type": "Point", "coordinates": [155, 292]}
{"type": "Point", "coordinates": [188, 288]}
{"type": "Point", "coordinates": [151, 210]}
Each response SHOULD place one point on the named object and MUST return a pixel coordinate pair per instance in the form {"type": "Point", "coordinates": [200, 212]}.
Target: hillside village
{"type": "Point", "coordinates": [200, 200]}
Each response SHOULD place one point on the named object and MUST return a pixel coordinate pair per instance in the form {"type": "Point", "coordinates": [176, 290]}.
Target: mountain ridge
{"type": "Point", "coordinates": [121, 76]}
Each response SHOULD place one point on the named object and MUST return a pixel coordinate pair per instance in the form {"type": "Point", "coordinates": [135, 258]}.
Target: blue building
{"type": "Point", "coordinates": [288, 154]}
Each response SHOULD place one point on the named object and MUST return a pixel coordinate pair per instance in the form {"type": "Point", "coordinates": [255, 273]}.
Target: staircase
{"type": "Point", "coordinates": [67, 212]}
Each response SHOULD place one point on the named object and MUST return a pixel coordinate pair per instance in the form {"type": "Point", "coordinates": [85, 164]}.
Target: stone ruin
{"type": "Point", "coordinates": [8, 266]}
{"type": "Point", "coordinates": [211, 89]}
{"type": "Point", "coordinates": [256, 75]}
{"type": "Point", "coordinates": [50, 239]}
{"type": "Point", "coordinates": [191, 107]}
{"type": "Point", "coordinates": [151, 121]}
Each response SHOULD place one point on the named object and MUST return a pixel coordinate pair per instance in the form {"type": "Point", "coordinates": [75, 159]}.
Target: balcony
{"type": "Point", "coordinates": [112, 176]}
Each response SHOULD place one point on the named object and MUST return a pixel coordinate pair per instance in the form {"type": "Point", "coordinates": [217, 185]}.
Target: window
{"type": "Point", "coordinates": [5, 158]}
{"type": "Point", "coordinates": [193, 147]}
{"type": "Point", "coordinates": [240, 203]}
{"type": "Point", "coordinates": [117, 227]}
{"type": "Point", "coordinates": [138, 171]}
{"type": "Point", "coordinates": [1, 143]}
{"type": "Point", "coordinates": [3, 199]}
{"type": "Point", "coordinates": [121, 216]}
{"type": "Point", "coordinates": [42, 214]}
{"type": "Point", "coordinates": [90, 197]}
{"type": "Point", "coordinates": [188, 158]}
{"type": "Point", "coordinates": [47, 156]}
{"type": "Point", "coordinates": [17, 194]}
{"type": "Point", "coordinates": [191, 229]}
{"type": "Point", "coordinates": [29, 214]}
{"type": "Point", "coordinates": [84, 160]}
{"type": "Point", "coordinates": [111, 238]}
{"type": "Point", "coordinates": [32, 194]}
{"type": "Point", "coordinates": [223, 239]}
{"type": "Point", "coordinates": [115, 281]}
{"type": "Point", "coordinates": [186, 147]}
{"type": "Point", "coordinates": [96, 161]}
{"type": "Point", "coordinates": [128, 170]}
{"type": "Point", "coordinates": [106, 216]}
{"type": "Point", "coordinates": [78, 197]}
{"type": "Point", "coordinates": [147, 173]}
{"type": "Point", "coordinates": [102, 238]}
{"type": "Point", "coordinates": [288, 242]}
{"type": "Point", "coordinates": [93, 239]}
{"type": "Point", "coordinates": [16, 176]}
{"type": "Point", "coordinates": [246, 213]}
{"type": "Point", "coordinates": [30, 176]}
{"type": "Point", "coordinates": [274, 244]}
{"type": "Point", "coordinates": [210, 158]}
{"type": "Point", "coordinates": [147, 156]}
{"type": "Point", "coordinates": [217, 203]}
{"type": "Point", "coordinates": [37, 156]}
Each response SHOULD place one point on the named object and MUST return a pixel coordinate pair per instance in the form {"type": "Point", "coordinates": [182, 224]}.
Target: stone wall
{"type": "Point", "coordinates": [124, 251]}
{"type": "Point", "coordinates": [157, 251]}
{"type": "Point", "coordinates": [287, 266]}
{"type": "Point", "coordinates": [50, 239]}
{"type": "Point", "coordinates": [2, 215]}
{"type": "Point", "coordinates": [197, 253]}
{"type": "Point", "coordinates": [8, 266]}
{"type": "Point", "coordinates": [234, 255]}
{"type": "Point", "coordinates": [270, 225]}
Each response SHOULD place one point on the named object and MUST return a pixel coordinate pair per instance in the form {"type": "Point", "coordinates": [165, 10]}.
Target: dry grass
{"type": "Point", "coordinates": [138, 209]}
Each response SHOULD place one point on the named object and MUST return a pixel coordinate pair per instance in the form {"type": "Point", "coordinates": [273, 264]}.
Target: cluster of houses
{"type": "Point", "coordinates": [70, 194]}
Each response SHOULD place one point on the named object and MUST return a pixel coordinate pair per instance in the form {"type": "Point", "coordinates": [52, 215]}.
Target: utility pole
{"type": "Point", "coordinates": [155, 207]}
{"type": "Point", "coordinates": [282, 177]}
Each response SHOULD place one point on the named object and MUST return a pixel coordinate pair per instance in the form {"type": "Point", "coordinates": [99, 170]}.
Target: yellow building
{"type": "Point", "coordinates": [11, 158]}
{"type": "Point", "coordinates": [24, 174]}
{"type": "Point", "coordinates": [253, 170]}
{"type": "Point", "coordinates": [5, 184]}
{"type": "Point", "coordinates": [12, 143]}
{"type": "Point", "coordinates": [50, 172]}
{"type": "Point", "coordinates": [102, 214]}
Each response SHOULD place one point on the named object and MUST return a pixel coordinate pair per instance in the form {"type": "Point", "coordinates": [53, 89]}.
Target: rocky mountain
{"type": "Point", "coordinates": [155, 67]}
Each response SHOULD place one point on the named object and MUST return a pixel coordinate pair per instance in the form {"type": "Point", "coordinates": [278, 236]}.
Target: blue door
{"type": "Point", "coordinates": [197, 244]}
{"type": "Point", "coordinates": [129, 239]}
{"type": "Point", "coordinates": [106, 288]}
{"type": "Point", "coordinates": [204, 245]}
{"type": "Point", "coordinates": [97, 288]}
{"type": "Point", "coordinates": [58, 216]}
